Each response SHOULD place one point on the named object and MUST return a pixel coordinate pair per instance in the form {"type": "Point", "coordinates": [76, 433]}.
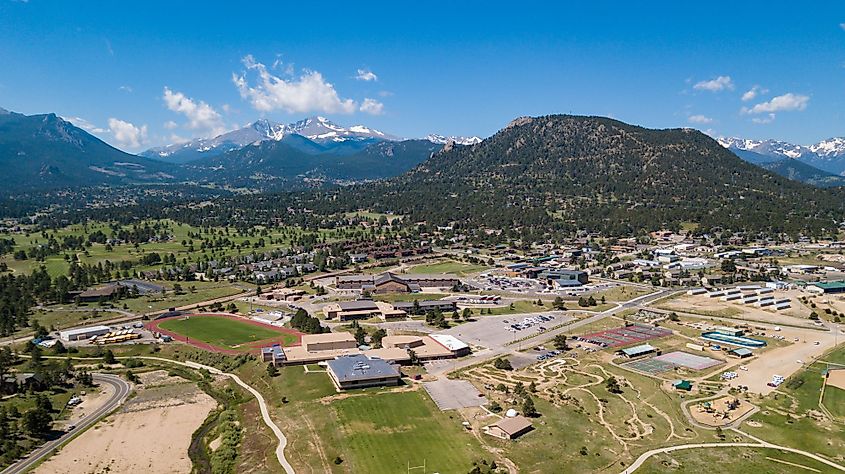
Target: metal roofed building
{"type": "Point", "coordinates": [638, 351]}
{"type": "Point", "coordinates": [827, 287]}
{"type": "Point", "coordinates": [79, 334]}
{"type": "Point", "coordinates": [359, 371]}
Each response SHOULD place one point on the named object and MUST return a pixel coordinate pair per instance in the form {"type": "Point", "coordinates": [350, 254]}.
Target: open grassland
{"type": "Point", "coordinates": [791, 416]}
{"type": "Point", "coordinates": [222, 332]}
{"type": "Point", "coordinates": [622, 293]}
{"type": "Point", "coordinates": [448, 266]}
{"type": "Point", "coordinates": [733, 461]}
{"type": "Point", "coordinates": [385, 432]}
{"type": "Point", "coordinates": [834, 401]}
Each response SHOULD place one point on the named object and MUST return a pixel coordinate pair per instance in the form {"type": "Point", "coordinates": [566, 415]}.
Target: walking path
{"type": "Point", "coordinates": [762, 444]}
{"type": "Point", "coordinates": [265, 412]}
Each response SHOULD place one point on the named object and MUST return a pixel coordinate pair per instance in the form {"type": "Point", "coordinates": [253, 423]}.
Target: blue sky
{"type": "Point", "coordinates": [141, 74]}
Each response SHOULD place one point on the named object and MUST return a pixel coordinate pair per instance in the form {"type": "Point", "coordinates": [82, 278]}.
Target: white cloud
{"type": "Point", "coordinates": [200, 115]}
{"type": "Point", "coordinates": [85, 125]}
{"type": "Point", "coordinates": [307, 93]}
{"type": "Point", "coordinates": [127, 134]}
{"type": "Point", "coordinates": [763, 120]}
{"type": "Point", "coordinates": [372, 107]}
{"type": "Point", "coordinates": [782, 103]}
{"type": "Point", "coordinates": [125, 89]}
{"type": "Point", "coordinates": [170, 125]}
{"type": "Point", "coordinates": [715, 85]}
{"type": "Point", "coordinates": [752, 93]}
{"type": "Point", "coordinates": [366, 75]}
{"type": "Point", "coordinates": [699, 119]}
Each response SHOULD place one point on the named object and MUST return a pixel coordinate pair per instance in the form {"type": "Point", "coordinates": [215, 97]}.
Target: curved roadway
{"type": "Point", "coordinates": [121, 391]}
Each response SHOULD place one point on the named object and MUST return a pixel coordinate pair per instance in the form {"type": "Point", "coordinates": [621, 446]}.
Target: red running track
{"type": "Point", "coordinates": [254, 346]}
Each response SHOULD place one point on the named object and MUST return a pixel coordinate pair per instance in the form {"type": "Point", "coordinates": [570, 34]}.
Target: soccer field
{"type": "Point", "coordinates": [223, 332]}
{"type": "Point", "coordinates": [385, 432]}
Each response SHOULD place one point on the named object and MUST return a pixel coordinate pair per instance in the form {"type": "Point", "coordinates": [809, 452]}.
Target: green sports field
{"type": "Point", "coordinates": [223, 332]}
{"type": "Point", "coordinates": [384, 432]}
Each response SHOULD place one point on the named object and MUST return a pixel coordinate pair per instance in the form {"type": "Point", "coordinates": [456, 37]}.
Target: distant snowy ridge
{"type": "Point", "coordinates": [828, 155]}
{"type": "Point", "coordinates": [442, 140]}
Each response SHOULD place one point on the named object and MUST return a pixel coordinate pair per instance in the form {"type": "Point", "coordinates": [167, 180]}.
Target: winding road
{"type": "Point", "coordinates": [121, 391]}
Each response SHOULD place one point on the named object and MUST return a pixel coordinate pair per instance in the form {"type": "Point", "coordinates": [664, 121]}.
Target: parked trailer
{"type": "Point", "coordinates": [749, 300]}
{"type": "Point", "coordinates": [696, 291]}
{"type": "Point", "coordinates": [716, 294]}
{"type": "Point", "coordinates": [763, 291]}
{"type": "Point", "coordinates": [763, 303]}
{"type": "Point", "coordinates": [781, 306]}
{"type": "Point", "coordinates": [735, 296]}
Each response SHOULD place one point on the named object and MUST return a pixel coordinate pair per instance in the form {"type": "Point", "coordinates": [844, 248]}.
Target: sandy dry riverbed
{"type": "Point", "coordinates": [151, 433]}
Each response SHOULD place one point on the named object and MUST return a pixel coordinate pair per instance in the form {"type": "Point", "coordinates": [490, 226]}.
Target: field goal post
{"type": "Point", "coordinates": [413, 468]}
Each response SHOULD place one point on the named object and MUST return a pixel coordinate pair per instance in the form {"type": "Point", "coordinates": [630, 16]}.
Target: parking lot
{"type": "Point", "coordinates": [497, 331]}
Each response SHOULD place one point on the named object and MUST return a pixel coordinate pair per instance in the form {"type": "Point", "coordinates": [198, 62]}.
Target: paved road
{"type": "Point", "coordinates": [121, 391]}
{"type": "Point", "coordinates": [444, 367]}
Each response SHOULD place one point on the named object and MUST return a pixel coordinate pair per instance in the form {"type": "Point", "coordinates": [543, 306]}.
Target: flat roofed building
{"type": "Point", "coordinates": [510, 428]}
{"type": "Point", "coordinates": [458, 347]}
{"type": "Point", "coordinates": [359, 371]}
{"type": "Point", "coordinates": [79, 334]}
{"type": "Point", "coordinates": [328, 341]}
{"type": "Point", "coordinates": [362, 309]}
{"type": "Point", "coordinates": [428, 305]}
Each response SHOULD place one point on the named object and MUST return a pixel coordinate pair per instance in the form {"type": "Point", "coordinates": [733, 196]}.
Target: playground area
{"type": "Point", "coordinates": [226, 333]}
{"type": "Point", "coordinates": [721, 412]}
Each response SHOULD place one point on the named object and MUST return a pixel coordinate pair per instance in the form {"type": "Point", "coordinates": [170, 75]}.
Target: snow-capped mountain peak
{"type": "Point", "coordinates": [830, 147]}
{"type": "Point", "coordinates": [442, 140]}
{"type": "Point", "coordinates": [827, 155]}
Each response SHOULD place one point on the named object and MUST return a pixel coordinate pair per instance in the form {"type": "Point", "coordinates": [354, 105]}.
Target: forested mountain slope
{"type": "Point", "coordinates": [559, 173]}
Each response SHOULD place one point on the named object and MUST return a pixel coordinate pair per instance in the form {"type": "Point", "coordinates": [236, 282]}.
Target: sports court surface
{"type": "Point", "coordinates": [624, 336]}
{"type": "Point", "coordinates": [450, 394]}
{"type": "Point", "coordinates": [667, 362]}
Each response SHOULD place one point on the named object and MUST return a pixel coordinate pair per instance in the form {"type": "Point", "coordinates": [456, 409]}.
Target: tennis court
{"type": "Point", "coordinates": [690, 361]}
{"type": "Point", "coordinates": [650, 366]}
{"type": "Point", "coordinates": [667, 362]}
{"type": "Point", "coordinates": [624, 336]}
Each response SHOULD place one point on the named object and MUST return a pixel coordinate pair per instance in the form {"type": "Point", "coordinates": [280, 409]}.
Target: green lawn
{"type": "Point", "coordinates": [834, 401]}
{"type": "Point", "coordinates": [449, 266]}
{"type": "Point", "coordinates": [384, 432]}
{"type": "Point", "coordinates": [223, 332]}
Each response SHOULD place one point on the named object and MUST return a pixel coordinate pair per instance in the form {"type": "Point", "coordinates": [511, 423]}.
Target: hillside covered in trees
{"type": "Point", "coordinates": [565, 173]}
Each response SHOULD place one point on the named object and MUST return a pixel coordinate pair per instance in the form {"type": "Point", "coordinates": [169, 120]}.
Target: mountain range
{"type": "Point", "coordinates": [46, 151]}
{"type": "Point", "coordinates": [826, 155]}
{"type": "Point", "coordinates": [330, 137]}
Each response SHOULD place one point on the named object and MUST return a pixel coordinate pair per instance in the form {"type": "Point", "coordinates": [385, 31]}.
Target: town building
{"type": "Point", "coordinates": [359, 371]}
{"type": "Point", "coordinates": [393, 283]}
{"type": "Point", "coordinates": [362, 309]}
